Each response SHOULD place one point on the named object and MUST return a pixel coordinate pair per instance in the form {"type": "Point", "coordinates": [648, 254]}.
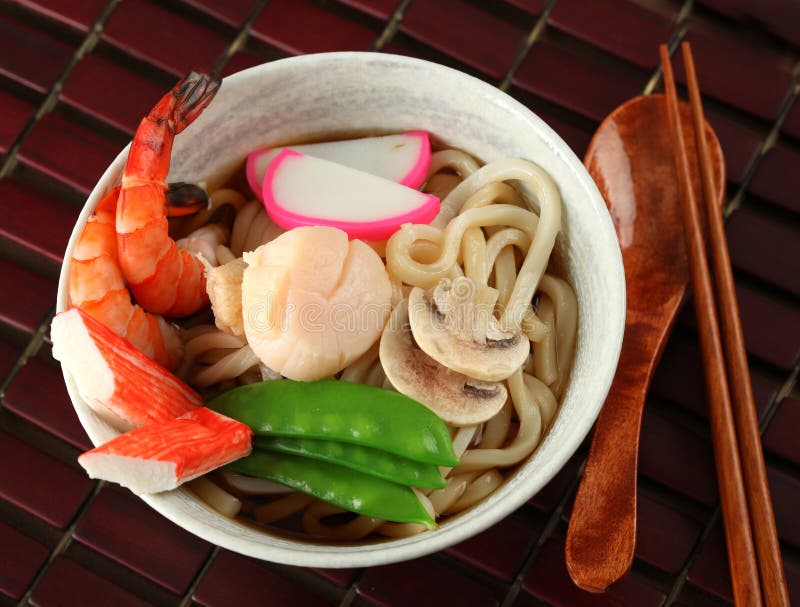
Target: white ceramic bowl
{"type": "Point", "coordinates": [347, 93]}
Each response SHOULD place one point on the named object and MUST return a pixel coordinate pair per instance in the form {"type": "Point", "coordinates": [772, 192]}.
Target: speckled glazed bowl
{"type": "Point", "coordinates": [347, 93]}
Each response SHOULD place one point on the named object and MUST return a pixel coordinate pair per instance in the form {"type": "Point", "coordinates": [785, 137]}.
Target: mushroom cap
{"type": "Point", "coordinates": [457, 399]}
{"type": "Point", "coordinates": [455, 326]}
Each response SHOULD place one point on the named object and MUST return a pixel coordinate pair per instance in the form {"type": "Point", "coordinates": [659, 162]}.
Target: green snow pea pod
{"type": "Point", "coordinates": [348, 489]}
{"type": "Point", "coordinates": [341, 411]}
{"type": "Point", "coordinates": [357, 457]}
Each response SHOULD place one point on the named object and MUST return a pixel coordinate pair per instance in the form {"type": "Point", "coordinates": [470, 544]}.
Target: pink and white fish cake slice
{"type": "Point", "coordinates": [403, 158]}
{"type": "Point", "coordinates": [302, 190]}
{"type": "Point", "coordinates": [123, 386]}
{"type": "Point", "coordinates": [162, 456]}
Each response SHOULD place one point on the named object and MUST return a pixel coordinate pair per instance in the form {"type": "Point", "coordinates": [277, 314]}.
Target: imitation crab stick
{"type": "Point", "coordinates": [403, 158]}
{"type": "Point", "coordinates": [122, 385]}
{"type": "Point", "coordinates": [161, 456]}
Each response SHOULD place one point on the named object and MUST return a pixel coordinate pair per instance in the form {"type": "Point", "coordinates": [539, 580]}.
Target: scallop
{"type": "Point", "coordinates": [313, 301]}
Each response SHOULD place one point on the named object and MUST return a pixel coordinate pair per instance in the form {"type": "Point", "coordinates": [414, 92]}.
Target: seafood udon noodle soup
{"type": "Point", "coordinates": [482, 321]}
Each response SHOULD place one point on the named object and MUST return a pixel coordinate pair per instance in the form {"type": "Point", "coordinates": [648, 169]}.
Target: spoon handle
{"type": "Point", "coordinates": [602, 529]}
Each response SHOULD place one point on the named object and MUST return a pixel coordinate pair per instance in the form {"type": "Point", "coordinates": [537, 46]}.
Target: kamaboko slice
{"type": "Point", "coordinates": [122, 385]}
{"type": "Point", "coordinates": [300, 190]}
{"type": "Point", "coordinates": [161, 456]}
{"type": "Point", "coordinates": [403, 158]}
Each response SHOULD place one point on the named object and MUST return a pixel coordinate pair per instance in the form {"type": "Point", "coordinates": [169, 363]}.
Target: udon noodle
{"type": "Point", "coordinates": [487, 231]}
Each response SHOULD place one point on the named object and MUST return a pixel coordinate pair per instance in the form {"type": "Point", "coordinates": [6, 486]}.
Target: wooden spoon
{"type": "Point", "coordinates": [631, 160]}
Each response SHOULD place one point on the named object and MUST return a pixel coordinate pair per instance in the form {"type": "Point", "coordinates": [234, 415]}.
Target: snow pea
{"type": "Point", "coordinates": [348, 489]}
{"type": "Point", "coordinates": [357, 457]}
{"type": "Point", "coordinates": [341, 411]}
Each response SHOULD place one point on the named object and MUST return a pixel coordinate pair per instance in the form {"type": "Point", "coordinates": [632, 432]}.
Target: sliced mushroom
{"type": "Point", "coordinates": [454, 324]}
{"type": "Point", "coordinates": [459, 400]}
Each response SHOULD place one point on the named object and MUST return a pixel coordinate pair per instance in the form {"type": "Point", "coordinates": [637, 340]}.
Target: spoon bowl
{"type": "Point", "coordinates": [630, 158]}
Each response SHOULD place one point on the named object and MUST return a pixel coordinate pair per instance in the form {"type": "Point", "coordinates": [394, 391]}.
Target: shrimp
{"type": "Point", "coordinates": [163, 278]}
{"type": "Point", "coordinates": [97, 287]}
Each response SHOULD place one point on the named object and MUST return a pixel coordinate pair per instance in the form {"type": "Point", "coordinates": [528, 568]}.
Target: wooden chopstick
{"type": "Point", "coordinates": [762, 519]}
{"type": "Point", "coordinates": [741, 553]}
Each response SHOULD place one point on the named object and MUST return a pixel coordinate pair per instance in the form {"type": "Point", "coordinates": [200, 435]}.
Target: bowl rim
{"type": "Point", "coordinates": [513, 493]}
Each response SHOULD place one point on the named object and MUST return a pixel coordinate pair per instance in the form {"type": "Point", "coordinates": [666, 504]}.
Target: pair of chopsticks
{"type": "Point", "coordinates": [741, 475]}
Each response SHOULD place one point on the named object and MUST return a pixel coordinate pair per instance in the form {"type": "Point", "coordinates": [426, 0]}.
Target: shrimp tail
{"type": "Point", "coordinates": [192, 95]}
{"type": "Point", "coordinates": [151, 148]}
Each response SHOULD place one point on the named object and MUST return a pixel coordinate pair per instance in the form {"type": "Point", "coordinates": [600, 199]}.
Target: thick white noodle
{"type": "Point", "coordinates": [241, 226]}
{"type": "Point", "coordinates": [224, 255]}
{"type": "Point", "coordinates": [542, 231]}
{"type": "Point", "coordinates": [495, 430]}
{"type": "Point", "coordinates": [566, 313]}
{"type": "Point", "coordinates": [534, 404]}
{"type": "Point", "coordinates": [545, 366]}
{"type": "Point", "coordinates": [215, 496]}
{"type": "Point", "coordinates": [279, 509]}
{"type": "Point", "coordinates": [231, 365]}
{"type": "Point", "coordinates": [426, 274]}
{"type": "Point", "coordinates": [456, 160]}
{"type": "Point", "coordinates": [251, 485]}
{"type": "Point", "coordinates": [478, 489]}
{"type": "Point", "coordinates": [357, 528]}
{"type": "Point", "coordinates": [441, 184]}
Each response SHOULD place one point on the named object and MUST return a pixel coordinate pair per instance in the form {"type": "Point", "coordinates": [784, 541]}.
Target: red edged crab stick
{"type": "Point", "coordinates": [161, 456]}
{"type": "Point", "coordinates": [123, 386]}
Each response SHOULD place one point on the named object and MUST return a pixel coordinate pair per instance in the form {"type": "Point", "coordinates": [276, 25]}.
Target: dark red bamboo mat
{"type": "Point", "coordinates": [76, 76]}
